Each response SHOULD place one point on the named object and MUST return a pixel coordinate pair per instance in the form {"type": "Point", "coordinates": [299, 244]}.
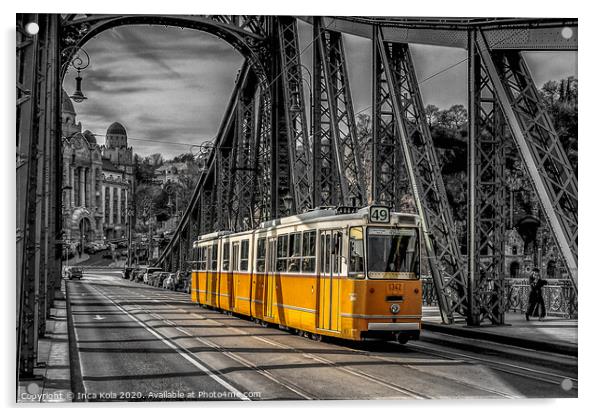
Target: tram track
{"type": "Point", "coordinates": [519, 370]}
{"type": "Point", "coordinates": [355, 372]}
{"type": "Point", "coordinates": [451, 356]}
{"type": "Point", "coordinates": [233, 356]}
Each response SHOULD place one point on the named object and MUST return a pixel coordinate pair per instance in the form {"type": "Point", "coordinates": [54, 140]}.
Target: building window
{"type": "Point", "coordinates": [123, 206]}
{"type": "Point", "coordinates": [76, 188]}
{"type": "Point", "coordinates": [107, 204]}
{"type": "Point", "coordinates": [115, 207]}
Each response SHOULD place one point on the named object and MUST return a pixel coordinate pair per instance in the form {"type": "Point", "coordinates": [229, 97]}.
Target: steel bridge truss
{"type": "Point", "coordinates": [338, 179]}
{"type": "Point", "coordinates": [39, 183]}
{"type": "Point", "coordinates": [402, 138]}
{"type": "Point", "coordinates": [503, 102]}
{"type": "Point", "coordinates": [265, 149]}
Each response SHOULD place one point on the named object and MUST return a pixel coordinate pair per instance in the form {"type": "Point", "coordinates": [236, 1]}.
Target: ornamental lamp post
{"type": "Point", "coordinates": [288, 203]}
{"type": "Point", "coordinates": [80, 61]}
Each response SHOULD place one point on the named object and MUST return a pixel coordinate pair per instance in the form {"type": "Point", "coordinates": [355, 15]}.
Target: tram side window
{"type": "Point", "coordinates": [309, 251]}
{"type": "Point", "coordinates": [244, 255]}
{"type": "Point", "coordinates": [356, 252]}
{"type": "Point", "coordinates": [214, 257]}
{"type": "Point", "coordinates": [226, 257]}
{"type": "Point", "coordinates": [260, 263]}
{"type": "Point", "coordinates": [337, 240]}
{"type": "Point", "coordinates": [203, 258]}
{"type": "Point", "coordinates": [294, 253]}
{"type": "Point", "coordinates": [282, 253]}
{"type": "Point", "coordinates": [235, 251]}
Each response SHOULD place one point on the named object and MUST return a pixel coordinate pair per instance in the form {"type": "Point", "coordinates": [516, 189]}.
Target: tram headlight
{"type": "Point", "coordinates": [394, 308]}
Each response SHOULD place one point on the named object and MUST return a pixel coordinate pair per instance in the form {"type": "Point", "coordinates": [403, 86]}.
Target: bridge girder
{"type": "Point", "coordinates": [519, 34]}
{"type": "Point", "coordinates": [401, 139]}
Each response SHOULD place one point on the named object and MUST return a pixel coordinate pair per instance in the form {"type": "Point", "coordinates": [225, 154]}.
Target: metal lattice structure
{"type": "Point", "coordinates": [404, 130]}
{"type": "Point", "coordinates": [338, 178]}
{"type": "Point", "coordinates": [265, 150]}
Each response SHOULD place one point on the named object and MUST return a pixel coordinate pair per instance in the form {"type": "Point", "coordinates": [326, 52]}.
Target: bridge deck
{"type": "Point", "coordinates": [551, 334]}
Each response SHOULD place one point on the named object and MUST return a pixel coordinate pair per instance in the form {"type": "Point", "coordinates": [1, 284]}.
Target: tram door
{"type": "Point", "coordinates": [270, 283]}
{"type": "Point", "coordinates": [330, 282]}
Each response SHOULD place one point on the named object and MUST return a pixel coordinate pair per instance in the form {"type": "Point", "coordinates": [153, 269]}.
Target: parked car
{"type": "Point", "coordinates": [154, 278]}
{"type": "Point", "coordinates": [148, 272]}
{"type": "Point", "coordinates": [102, 246]}
{"type": "Point", "coordinates": [75, 272]}
{"type": "Point", "coordinates": [128, 271]}
{"type": "Point", "coordinates": [137, 275]}
{"type": "Point", "coordinates": [92, 248]}
{"type": "Point", "coordinates": [170, 282]}
{"type": "Point", "coordinates": [159, 278]}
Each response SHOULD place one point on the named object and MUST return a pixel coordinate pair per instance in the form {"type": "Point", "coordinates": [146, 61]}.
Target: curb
{"type": "Point", "coordinates": [77, 382]}
{"type": "Point", "coordinates": [557, 348]}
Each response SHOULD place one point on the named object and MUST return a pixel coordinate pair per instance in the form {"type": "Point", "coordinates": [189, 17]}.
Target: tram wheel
{"type": "Point", "coordinates": [401, 339]}
{"type": "Point", "coordinates": [316, 337]}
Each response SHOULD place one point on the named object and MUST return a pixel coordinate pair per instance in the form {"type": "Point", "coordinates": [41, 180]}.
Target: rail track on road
{"type": "Point", "coordinates": [129, 299]}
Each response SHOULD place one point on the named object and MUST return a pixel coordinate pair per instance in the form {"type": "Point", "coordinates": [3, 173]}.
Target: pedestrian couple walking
{"type": "Point", "coordinates": [536, 303]}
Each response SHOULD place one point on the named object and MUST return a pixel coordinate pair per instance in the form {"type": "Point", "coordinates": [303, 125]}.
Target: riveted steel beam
{"type": "Point", "coordinates": [28, 72]}
{"type": "Point", "coordinates": [412, 135]}
{"type": "Point", "coordinates": [539, 146]}
{"type": "Point", "coordinates": [294, 106]}
{"type": "Point", "coordinates": [521, 33]}
{"type": "Point", "coordinates": [263, 148]}
{"type": "Point", "coordinates": [487, 214]}
{"type": "Point", "coordinates": [244, 171]}
{"type": "Point", "coordinates": [337, 176]}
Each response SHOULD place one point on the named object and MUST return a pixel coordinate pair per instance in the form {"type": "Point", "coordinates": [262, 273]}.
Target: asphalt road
{"type": "Point", "coordinates": [135, 342]}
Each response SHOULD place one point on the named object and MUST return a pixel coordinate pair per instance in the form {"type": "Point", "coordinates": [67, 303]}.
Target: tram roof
{"type": "Point", "coordinates": [317, 215]}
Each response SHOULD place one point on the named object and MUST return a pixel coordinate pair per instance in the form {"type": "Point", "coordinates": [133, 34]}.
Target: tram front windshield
{"type": "Point", "coordinates": [393, 253]}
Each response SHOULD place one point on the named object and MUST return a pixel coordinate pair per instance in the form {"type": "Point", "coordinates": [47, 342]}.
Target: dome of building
{"type": "Point", "coordinates": [66, 103]}
{"type": "Point", "coordinates": [116, 129]}
{"type": "Point", "coordinates": [89, 137]}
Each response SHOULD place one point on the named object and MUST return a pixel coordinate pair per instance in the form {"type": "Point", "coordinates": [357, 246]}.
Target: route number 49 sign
{"type": "Point", "coordinates": [380, 214]}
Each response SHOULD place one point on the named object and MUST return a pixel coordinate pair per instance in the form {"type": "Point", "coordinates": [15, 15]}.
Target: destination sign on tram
{"type": "Point", "coordinates": [380, 215]}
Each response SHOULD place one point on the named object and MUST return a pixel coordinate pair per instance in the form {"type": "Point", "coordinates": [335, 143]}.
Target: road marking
{"type": "Point", "coordinates": [500, 366]}
{"type": "Point", "coordinates": [356, 373]}
{"type": "Point", "coordinates": [374, 378]}
{"type": "Point", "coordinates": [185, 353]}
{"type": "Point", "coordinates": [236, 358]}
{"type": "Point", "coordinates": [98, 318]}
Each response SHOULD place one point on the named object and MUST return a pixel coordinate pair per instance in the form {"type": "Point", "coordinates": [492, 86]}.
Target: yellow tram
{"type": "Point", "coordinates": [340, 272]}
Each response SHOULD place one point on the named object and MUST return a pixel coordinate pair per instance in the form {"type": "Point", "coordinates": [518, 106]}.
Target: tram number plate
{"type": "Point", "coordinates": [380, 215]}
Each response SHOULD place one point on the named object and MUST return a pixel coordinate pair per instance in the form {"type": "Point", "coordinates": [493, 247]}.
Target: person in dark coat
{"type": "Point", "coordinates": [536, 301]}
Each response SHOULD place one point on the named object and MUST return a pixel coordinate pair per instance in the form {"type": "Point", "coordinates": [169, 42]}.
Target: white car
{"type": "Point", "coordinates": [148, 272]}
{"type": "Point", "coordinates": [169, 282]}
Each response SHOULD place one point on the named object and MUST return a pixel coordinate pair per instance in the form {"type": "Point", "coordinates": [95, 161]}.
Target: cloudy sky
{"type": "Point", "coordinates": [169, 86]}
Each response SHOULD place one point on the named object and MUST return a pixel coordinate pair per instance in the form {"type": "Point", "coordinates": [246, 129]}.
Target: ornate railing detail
{"type": "Point", "coordinates": [559, 296]}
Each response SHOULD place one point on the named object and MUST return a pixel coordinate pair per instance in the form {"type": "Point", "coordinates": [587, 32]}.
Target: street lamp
{"type": "Point", "coordinates": [288, 203]}
{"type": "Point", "coordinates": [80, 61]}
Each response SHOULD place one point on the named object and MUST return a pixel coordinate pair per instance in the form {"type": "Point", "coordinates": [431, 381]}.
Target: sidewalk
{"type": "Point", "coordinates": [52, 382]}
{"type": "Point", "coordinates": [553, 334]}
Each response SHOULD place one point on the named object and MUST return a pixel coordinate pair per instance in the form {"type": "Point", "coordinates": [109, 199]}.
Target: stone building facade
{"type": "Point", "coordinates": [98, 181]}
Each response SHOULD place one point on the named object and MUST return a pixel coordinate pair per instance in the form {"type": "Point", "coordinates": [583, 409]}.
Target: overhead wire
{"type": "Point", "coordinates": [441, 71]}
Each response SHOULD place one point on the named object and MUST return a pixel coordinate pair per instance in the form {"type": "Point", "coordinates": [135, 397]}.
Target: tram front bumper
{"type": "Point", "coordinates": [393, 326]}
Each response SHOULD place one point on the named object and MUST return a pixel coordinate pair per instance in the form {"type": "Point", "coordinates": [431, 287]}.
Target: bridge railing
{"type": "Point", "coordinates": [559, 296]}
